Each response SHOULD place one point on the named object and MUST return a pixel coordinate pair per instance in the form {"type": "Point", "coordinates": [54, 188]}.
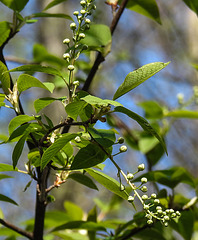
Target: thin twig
{"type": "Point", "coordinates": [17, 229]}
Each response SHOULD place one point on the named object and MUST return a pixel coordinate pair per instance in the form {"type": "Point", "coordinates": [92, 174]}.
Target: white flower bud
{"type": "Point", "coordinates": [150, 222]}
{"type": "Point", "coordinates": [166, 218]}
{"type": "Point", "coordinates": [153, 195]}
{"type": "Point", "coordinates": [144, 180]}
{"type": "Point", "coordinates": [83, 3]}
{"type": "Point", "coordinates": [66, 41]}
{"type": "Point", "coordinates": [130, 176]}
{"type": "Point", "coordinates": [144, 189]}
{"type": "Point", "coordinates": [130, 199]}
{"type": "Point", "coordinates": [77, 139]}
{"type": "Point", "coordinates": [146, 207]}
{"type": "Point", "coordinates": [81, 35]}
{"type": "Point", "coordinates": [77, 83]}
{"type": "Point", "coordinates": [158, 208]}
{"type": "Point", "coordinates": [157, 201]}
{"type": "Point", "coordinates": [141, 167]}
{"type": "Point", "coordinates": [178, 213]}
{"type": "Point", "coordinates": [87, 20]}
{"type": "Point", "coordinates": [123, 148]}
{"type": "Point", "coordinates": [73, 26]}
{"type": "Point", "coordinates": [144, 197]}
{"type": "Point", "coordinates": [82, 11]}
{"type": "Point", "coordinates": [75, 13]}
{"type": "Point", "coordinates": [120, 140]}
{"type": "Point", "coordinates": [166, 224]}
{"type": "Point", "coordinates": [66, 55]}
{"type": "Point", "coordinates": [70, 67]}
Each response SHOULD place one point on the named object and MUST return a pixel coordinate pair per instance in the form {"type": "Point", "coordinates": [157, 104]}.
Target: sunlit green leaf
{"type": "Point", "coordinates": [73, 211]}
{"type": "Point", "coordinates": [54, 3]}
{"type": "Point", "coordinates": [83, 179]}
{"type": "Point", "coordinates": [15, 5]}
{"type": "Point", "coordinates": [2, 98]}
{"type": "Point", "coordinates": [7, 199]}
{"type": "Point", "coordinates": [74, 109]}
{"type": "Point", "coordinates": [137, 77]}
{"type": "Point", "coordinates": [108, 182]}
{"type": "Point", "coordinates": [89, 156]}
{"type": "Point", "coordinates": [4, 78]}
{"type": "Point", "coordinates": [7, 168]}
{"type": "Point", "coordinates": [180, 113]}
{"type": "Point", "coordinates": [4, 32]}
{"type": "Point", "coordinates": [40, 103]}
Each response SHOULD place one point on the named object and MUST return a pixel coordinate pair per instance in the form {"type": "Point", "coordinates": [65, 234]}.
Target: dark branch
{"type": "Point", "coordinates": [16, 229]}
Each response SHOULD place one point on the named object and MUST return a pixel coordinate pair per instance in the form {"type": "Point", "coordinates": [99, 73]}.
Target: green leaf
{"type": "Point", "coordinates": [4, 78]}
{"type": "Point", "coordinates": [53, 15]}
{"type": "Point", "coordinates": [26, 81]}
{"type": "Point", "coordinates": [4, 32]}
{"type": "Point", "coordinates": [40, 103]}
{"type": "Point", "coordinates": [152, 109]}
{"type": "Point", "coordinates": [108, 182]}
{"type": "Point", "coordinates": [18, 150]}
{"type": "Point", "coordinates": [98, 37]}
{"type": "Point", "coordinates": [146, 144]}
{"type": "Point", "coordinates": [147, 8]}
{"type": "Point", "coordinates": [143, 123]}
{"type": "Point", "coordinates": [74, 109]}
{"type": "Point", "coordinates": [15, 5]}
{"type": "Point", "coordinates": [2, 98]}
{"type": "Point", "coordinates": [104, 137]}
{"type": "Point", "coordinates": [37, 68]}
{"type": "Point", "coordinates": [56, 147]}
{"type": "Point", "coordinates": [192, 4]}
{"type": "Point", "coordinates": [137, 77]}
{"type": "Point", "coordinates": [19, 120]}
{"type": "Point", "coordinates": [182, 114]}
{"type": "Point", "coordinates": [89, 156]}
{"type": "Point", "coordinates": [170, 177]}
{"type": "Point", "coordinates": [98, 101]}
{"type": "Point", "coordinates": [83, 179]}
{"type": "Point", "coordinates": [3, 176]}
{"type": "Point", "coordinates": [54, 3]}
{"type": "Point", "coordinates": [7, 168]}
{"type": "Point", "coordinates": [73, 211]}
{"type": "Point", "coordinates": [7, 199]}
{"type": "Point", "coordinates": [80, 225]}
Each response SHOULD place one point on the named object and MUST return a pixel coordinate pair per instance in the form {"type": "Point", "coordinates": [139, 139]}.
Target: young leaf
{"type": "Point", "coordinates": [54, 15]}
{"type": "Point", "coordinates": [18, 150]}
{"type": "Point", "coordinates": [26, 81]}
{"type": "Point", "coordinates": [143, 123]}
{"type": "Point", "coordinates": [7, 168]}
{"type": "Point", "coordinates": [19, 120]}
{"type": "Point", "coordinates": [108, 182]}
{"type": "Point", "coordinates": [83, 179]}
{"type": "Point", "coordinates": [4, 32]}
{"type": "Point", "coordinates": [15, 5]}
{"type": "Point", "coordinates": [104, 137]}
{"type": "Point", "coordinates": [87, 157]}
{"type": "Point", "coordinates": [53, 3]}
{"type": "Point", "coordinates": [192, 4]}
{"type": "Point", "coordinates": [147, 8]}
{"type": "Point", "coordinates": [56, 147]}
{"type": "Point", "coordinates": [182, 114]}
{"type": "Point", "coordinates": [4, 78]}
{"type": "Point", "coordinates": [7, 199]}
{"type": "Point", "coordinates": [37, 68]}
{"type": "Point", "coordinates": [74, 109]}
{"type": "Point", "coordinates": [135, 78]}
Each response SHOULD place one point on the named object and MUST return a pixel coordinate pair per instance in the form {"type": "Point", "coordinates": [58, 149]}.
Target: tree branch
{"type": "Point", "coordinates": [16, 229]}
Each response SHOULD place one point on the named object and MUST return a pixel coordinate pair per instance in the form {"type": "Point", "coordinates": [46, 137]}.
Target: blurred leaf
{"type": "Point", "coordinates": [4, 78]}
{"type": "Point", "coordinates": [19, 120]}
{"type": "Point", "coordinates": [56, 147]}
{"type": "Point", "coordinates": [155, 154]}
{"type": "Point", "coordinates": [54, 3]}
{"type": "Point", "coordinates": [6, 167]}
{"type": "Point", "coordinates": [74, 109]}
{"type": "Point", "coordinates": [7, 199]}
{"type": "Point", "coordinates": [192, 4]}
{"type": "Point", "coordinates": [2, 98]}
{"type": "Point", "coordinates": [191, 203]}
{"type": "Point", "coordinates": [80, 225]}
{"type": "Point", "coordinates": [55, 218]}
{"type": "Point", "coordinates": [18, 150]}
{"type": "Point", "coordinates": [184, 226]}
{"type": "Point", "coordinates": [3, 176]}
{"type": "Point", "coordinates": [108, 182]}
{"type": "Point", "coordinates": [104, 137]}
{"type": "Point", "coordinates": [170, 177]}
{"type": "Point", "coordinates": [147, 143]}
{"type": "Point", "coordinates": [4, 32]}
{"type": "Point", "coordinates": [152, 109]}
{"type": "Point", "coordinates": [88, 156]}
{"type": "Point", "coordinates": [54, 15]}
{"type": "Point", "coordinates": [147, 8]}
{"type": "Point", "coordinates": [37, 68]}
{"type": "Point", "coordinates": [73, 211]}
{"type": "Point", "coordinates": [26, 81]}
{"type": "Point", "coordinates": [143, 123]}
{"type": "Point", "coordinates": [92, 217]}
{"type": "Point", "coordinates": [83, 179]}
{"type": "Point", "coordinates": [15, 5]}
{"type": "Point", "coordinates": [137, 77]}
{"type": "Point", "coordinates": [182, 114]}
{"type": "Point", "coordinates": [27, 185]}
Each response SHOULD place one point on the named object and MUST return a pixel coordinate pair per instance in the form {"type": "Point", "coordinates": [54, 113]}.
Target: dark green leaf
{"type": "Point", "coordinates": [27, 185]}
{"type": "Point", "coordinates": [7, 199]}
{"type": "Point", "coordinates": [26, 81]}
{"type": "Point", "coordinates": [37, 68]}
{"type": "Point", "coordinates": [182, 114]}
{"type": "Point", "coordinates": [6, 167]}
{"type": "Point", "coordinates": [15, 5]}
{"type": "Point", "coordinates": [89, 156]}
{"type": "Point", "coordinates": [54, 3]}
{"type": "Point", "coordinates": [4, 32]}
{"type": "Point", "coordinates": [108, 182]}
{"type": "Point", "coordinates": [74, 109]}
{"type": "Point", "coordinates": [83, 179]}
{"type": "Point", "coordinates": [19, 120]}
{"type": "Point", "coordinates": [54, 15]}
{"type": "Point", "coordinates": [143, 123]}
{"type": "Point", "coordinates": [80, 225]}
{"type": "Point", "coordinates": [106, 138]}
{"type": "Point", "coordinates": [3, 176]}
{"type": "Point", "coordinates": [147, 8]}
{"type": "Point", "coordinates": [171, 177]}
{"type": "Point", "coordinates": [18, 150]}
{"type": "Point", "coordinates": [137, 77]}
{"type": "Point", "coordinates": [56, 147]}
{"type": "Point", "coordinates": [192, 4]}
{"type": "Point", "coordinates": [4, 78]}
